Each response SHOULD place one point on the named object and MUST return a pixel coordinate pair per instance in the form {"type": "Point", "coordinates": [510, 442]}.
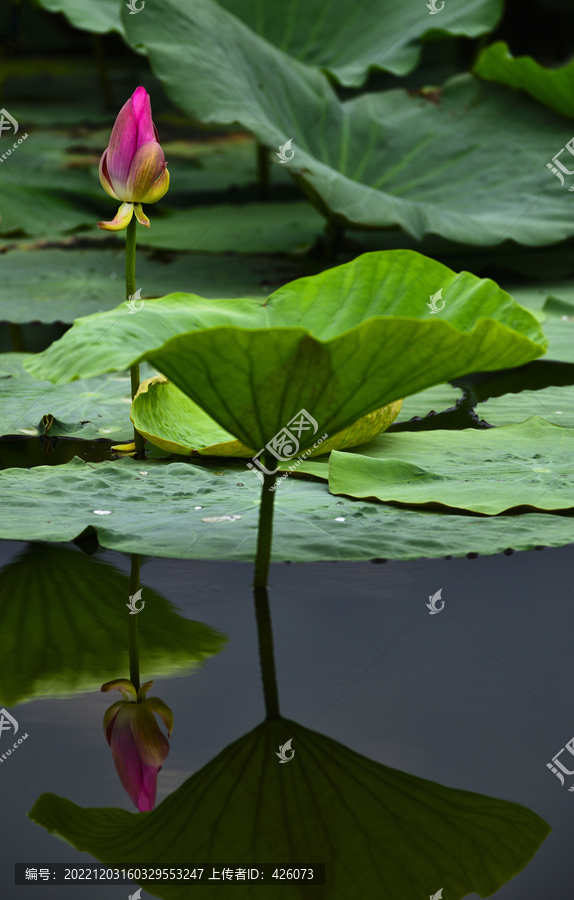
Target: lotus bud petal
{"type": "Point", "coordinates": [121, 219]}
{"type": "Point", "coordinates": [140, 215]}
{"type": "Point", "coordinates": [123, 685]}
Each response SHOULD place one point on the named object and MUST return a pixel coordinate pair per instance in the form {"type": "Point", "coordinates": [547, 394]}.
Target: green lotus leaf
{"type": "Point", "coordinates": [170, 420]}
{"type": "Point", "coordinates": [97, 409]}
{"type": "Point", "coordinates": [348, 43]}
{"type": "Point", "coordinates": [99, 16]}
{"type": "Point", "coordinates": [380, 35]}
{"type": "Point", "coordinates": [59, 285]}
{"type": "Point", "coordinates": [434, 161]}
{"type": "Point", "coordinates": [552, 87]}
{"type": "Point", "coordinates": [365, 821]}
{"type": "Point", "coordinates": [555, 404]}
{"type": "Point", "coordinates": [210, 510]}
{"type": "Point", "coordinates": [242, 228]}
{"type": "Point", "coordinates": [337, 345]}
{"type": "Point", "coordinates": [489, 472]}
{"type": "Point", "coordinates": [63, 627]}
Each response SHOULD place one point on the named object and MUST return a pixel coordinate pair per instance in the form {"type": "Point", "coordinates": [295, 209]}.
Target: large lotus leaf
{"type": "Point", "coordinates": [100, 16]}
{"type": "Point", "coordinates": [553, 87]}
{"type": "Point", "coordinates": [64, 627]}
{"type": "Point", "coordinates": [338, 345]}
{"type": "Point", "coordinates": [59, 285]}
{"type": "Point", "coordinates": [349, 41]}
{"type": "Point", "coordinates": [437, 161]}
{"type": "Point", "coordinates": [170, 420]}
{"type": "Point", "coordinates": [89, 410]}
{"type": "Point", "coordinates": [527, 465]}
{"type": "Point", "coordinates": [211, 511]}
{"type": "Point", "coordinates": [365, 821]}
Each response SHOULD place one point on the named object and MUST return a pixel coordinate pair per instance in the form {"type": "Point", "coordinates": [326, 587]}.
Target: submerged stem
{"type": "Point", "coordinates": [133, 623]}
{"type": "Point", "coordinates": [130, 291]}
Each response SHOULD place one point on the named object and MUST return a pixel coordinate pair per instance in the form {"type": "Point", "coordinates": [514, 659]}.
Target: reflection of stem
{"type": "Point", "coordinates": [263, 166]}
{"type": "Point", "coordinates": [263, 616]}
{"type": "Point", "coordinates": [266, 655]}
{"type": "Point", "coordinates": [130, 291]}
{"type": "Point", "coordinates": [133, 623]}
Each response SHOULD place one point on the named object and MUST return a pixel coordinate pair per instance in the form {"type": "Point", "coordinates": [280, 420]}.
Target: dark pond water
{"type": "Point", "coordinates": [478, 697]}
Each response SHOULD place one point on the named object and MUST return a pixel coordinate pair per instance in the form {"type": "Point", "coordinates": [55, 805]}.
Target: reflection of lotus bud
{"type": "Point", "coordinates": [133, 167]}
{"type": "Point", "coordinates": [139, 747]}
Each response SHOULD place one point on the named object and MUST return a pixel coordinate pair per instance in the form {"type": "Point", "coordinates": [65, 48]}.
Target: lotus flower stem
{"type": "Point", "coordinates": [130, 291]}
{"type": "Point", "coordinates": [262, 614]}
{"type": "Point", "coordinates": [133, 623]}
{"type": "Point", "coordinates": [265, 530]}
{"type": "Point", "coordinates": [263, 167]}
{"type": "Point", "coordinates": [266, 654]}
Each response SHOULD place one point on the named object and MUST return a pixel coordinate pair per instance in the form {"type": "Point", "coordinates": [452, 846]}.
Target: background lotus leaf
{"type": "Point", "coordinates": [99, 16]}
{"type": "Point", "coordinates": [435, 161]}
{"type": "Point", "coordinates": [97, 409]}
{"type": "Point", "coordinates": [379, 35]}
{"type": "Point", "coordinates": [490, 471]}
{"type": "Point", "coordinates": [552, 87]}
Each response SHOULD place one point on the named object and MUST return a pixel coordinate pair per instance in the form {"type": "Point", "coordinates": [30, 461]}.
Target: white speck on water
{"type": "Point", "coordinates": [221, 519]}
{"type": "Point", "coordinates": [198, 507]}
{"type": "Point", "coordinates": [144, 473]}
{"type": "Point", "coordinates": [102, 512]}
{"type": "Point", "coordinates": [126, 400]}
{"type": "Point", "coordinates": [340, 519]}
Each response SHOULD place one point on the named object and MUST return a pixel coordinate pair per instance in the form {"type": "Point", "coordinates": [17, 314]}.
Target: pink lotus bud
{"type": "Point", "coordinates": [139, 747]}
{"type": "Point", "coordinates": [133, 167]}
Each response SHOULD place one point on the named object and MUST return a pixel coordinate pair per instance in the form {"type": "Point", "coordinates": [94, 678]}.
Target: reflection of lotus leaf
{"type": "Point", "coordinates": [339, 345]}
{"type": "Point", "coordinates": [64, 627]}
{"type": "Point", "coordinates": [365, 821]}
